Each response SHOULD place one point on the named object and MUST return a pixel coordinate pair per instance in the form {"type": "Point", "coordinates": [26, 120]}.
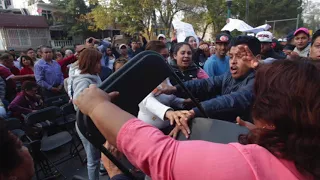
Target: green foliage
{"type": "Point", "coordinates": [72, 14]}
{"type": "Point", "coordinates": [312, 16]}
{"type": "Point", "coordinates": [262, 10]}
{"type": "Point", "coordinates": [131, 15]}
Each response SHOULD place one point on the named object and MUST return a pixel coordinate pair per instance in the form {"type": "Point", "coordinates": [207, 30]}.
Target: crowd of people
{"type": "Point", "coordinates": [262, 84]}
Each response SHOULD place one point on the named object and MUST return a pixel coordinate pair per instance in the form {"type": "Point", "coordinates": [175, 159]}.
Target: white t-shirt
{"type": "Point", "coordinates": [111, 62]}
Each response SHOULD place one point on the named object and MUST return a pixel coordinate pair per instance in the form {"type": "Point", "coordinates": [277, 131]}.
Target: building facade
{"type": "Point", "coordinates": [20, 32]}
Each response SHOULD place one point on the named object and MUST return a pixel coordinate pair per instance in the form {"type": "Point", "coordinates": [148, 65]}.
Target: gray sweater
{"type": "Point", "coordinates": [80, 82]}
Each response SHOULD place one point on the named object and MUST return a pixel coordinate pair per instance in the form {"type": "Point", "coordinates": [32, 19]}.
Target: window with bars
{"type": "Point", "coordinates": [26, 37]}
{"type": "Point", "coordinates": [7, 3]}
{"type": "Point", "coordinates": [47, 14]}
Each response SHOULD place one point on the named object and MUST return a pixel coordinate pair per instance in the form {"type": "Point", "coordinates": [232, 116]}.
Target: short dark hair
{"type": "Point", "coordinates": [315, 36]}
{"type": "Point", "coordinates": [252, 42]}
{"type": "Point", "coordinates": [119, 61]}
{"type": "Point", "coordinates": [27, 58]}
{"type": "Point", "coordinates": [42, 47]}
{"type": "Point", "coordinates": [28, 85]}
{"type": "Point", "coordinates": [187, 39]}
{"type": "Point", "coordinates": [156, 46]}
{"type": "Point", "coordinates": [29, 49]}
{"type": "Point", "coordinates": [5, 56]}
{"type": "Point", "coordinates": [9, 151]}
{"type": "Point", "coordinates": [88, 60]}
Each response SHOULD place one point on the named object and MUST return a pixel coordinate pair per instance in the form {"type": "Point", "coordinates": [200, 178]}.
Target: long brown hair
{"type": "Point", "coordinates": [287, 95]}
{"type": "Point", "coordinates": [89, 61]}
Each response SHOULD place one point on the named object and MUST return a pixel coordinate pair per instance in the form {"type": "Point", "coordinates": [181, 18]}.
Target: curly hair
{"type": "Point", "coordinates": [287, 96]}
{"type": "Point", "coordinates": [9, 151]}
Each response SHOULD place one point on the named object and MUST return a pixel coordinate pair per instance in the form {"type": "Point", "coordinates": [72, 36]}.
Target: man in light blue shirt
{"type": "Point", "coordinates": [218, 63]}
{"type": "Point", "coordinates": [48, 74]}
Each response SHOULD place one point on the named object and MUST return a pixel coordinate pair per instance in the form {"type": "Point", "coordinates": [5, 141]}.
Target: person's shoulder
{"type": "Point", "coordinates": [4, 71]}
{"type": "Point", "coordinates": [39, 62]}
{"type": "Point", "coordinates": [210, 60]}
{"type": "Point", "coordinates": [252, 152]}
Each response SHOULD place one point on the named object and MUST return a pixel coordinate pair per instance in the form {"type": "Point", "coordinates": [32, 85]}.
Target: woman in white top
{"type": "Point", "coordinates": [156, 110]}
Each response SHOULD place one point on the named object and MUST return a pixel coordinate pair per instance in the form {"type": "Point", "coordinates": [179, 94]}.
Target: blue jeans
{"type": "Point", "coordinates": [93, 157]}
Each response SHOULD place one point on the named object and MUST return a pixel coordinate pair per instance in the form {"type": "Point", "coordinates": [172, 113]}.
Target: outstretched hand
{"type": "Point", "coordinates": [180, 118]}
{"type": "Point", "coordinates": [247, 56]}
{"type": "Point", "coordinates": [246, 124]}
{"type": "Point", "coordinates": [165, 90]}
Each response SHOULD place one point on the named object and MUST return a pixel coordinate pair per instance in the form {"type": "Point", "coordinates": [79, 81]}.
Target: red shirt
{"type": "Point", "coordinates": [14, 70]}
{"type": "Point", "coordinates": [6, 75]}
{"type": "Point", "coordinates": [64, 63]}
{"type": "Point", "coordinates": [26, 71]}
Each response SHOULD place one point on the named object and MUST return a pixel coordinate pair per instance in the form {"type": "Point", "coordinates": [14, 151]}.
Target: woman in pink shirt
{"type": "Point", "coordinates": [285, 143]}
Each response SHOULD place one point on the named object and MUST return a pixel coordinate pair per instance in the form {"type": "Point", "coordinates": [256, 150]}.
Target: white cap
{"type": "Point", "coordinates": [284, 40]}
{"type": "Point", "coordinates": [161, 36]}
{"type": "Point", "coordinates": [264, 36]}
{"type": "Point", "coordinates": [121, 45]}
{"type": "Point", "coordinates": [280, 40]}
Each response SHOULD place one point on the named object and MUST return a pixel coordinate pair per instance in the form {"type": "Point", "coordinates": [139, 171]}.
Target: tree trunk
{"type": "Point", "coordinates": [205, 30]}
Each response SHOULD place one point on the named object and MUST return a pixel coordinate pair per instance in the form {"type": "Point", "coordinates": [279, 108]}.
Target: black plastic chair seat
{"type": "Point", "coordinates": [71, 118]}
{"type": "Point", "coordinates": [57, 100]}
{"type": "Point", "coordinates": [52, 142]}
{"type": "Point", "coordinates": [213, 130]}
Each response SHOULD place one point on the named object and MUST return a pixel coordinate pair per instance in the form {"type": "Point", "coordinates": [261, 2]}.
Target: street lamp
{"type": "Point", "coordinates": [229, 3]}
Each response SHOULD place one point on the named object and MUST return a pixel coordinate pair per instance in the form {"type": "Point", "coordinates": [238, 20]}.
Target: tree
{"type": "Point", "coordinates": [168, 9]}
{"type": "Point", "coordinates": [133, 15]}
{"type": "Point", "coordinates": [200, 21]}
{"type": "Point", "coordinates": [262, 10]}
{"type": "Point", "coordinates": [73, 12]}
{"type": "Point", "coordinates": [311, 16]}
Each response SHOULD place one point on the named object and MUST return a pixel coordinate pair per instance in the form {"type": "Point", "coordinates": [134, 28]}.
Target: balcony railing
{"type": "Point", "coordinates": [65, 43]}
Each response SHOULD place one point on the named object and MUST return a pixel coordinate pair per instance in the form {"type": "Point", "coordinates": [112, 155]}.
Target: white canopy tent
{"type": "Point", "coordinates": [237, 24]}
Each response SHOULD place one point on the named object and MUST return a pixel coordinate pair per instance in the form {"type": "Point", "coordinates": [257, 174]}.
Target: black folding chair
{"type": "Point", "coordinates": [68, 112]}
{"type": "Point", "coordinates": [50, 142]}
{"type": "Point", "coordinates": [57, 100]}
{"type": "Point", "coordinates": [214, 130]}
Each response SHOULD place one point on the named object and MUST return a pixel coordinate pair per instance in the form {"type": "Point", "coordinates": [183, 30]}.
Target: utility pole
{"type": "Point", "coordinates": [247, 11]}
{"type": "Point", "coordinates": [229, 4]}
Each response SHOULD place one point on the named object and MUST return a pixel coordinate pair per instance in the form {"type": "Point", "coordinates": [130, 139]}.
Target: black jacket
{"type": "Point", "coordinates": [186, 75]}
{"type": "Point", "coordinates": [272, 54]}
